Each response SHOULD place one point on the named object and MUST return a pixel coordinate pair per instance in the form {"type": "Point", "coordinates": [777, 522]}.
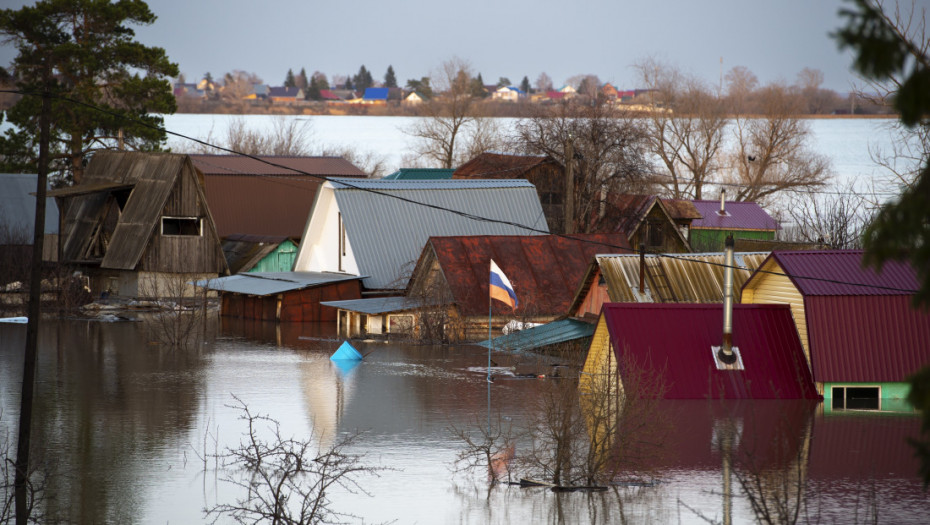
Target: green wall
{"type": "Point", "coordinates": [894, 396]}
{"type": "Point", "coordinates": [712, 240]}
{"type": "Point", "coordinates": [280, 260]}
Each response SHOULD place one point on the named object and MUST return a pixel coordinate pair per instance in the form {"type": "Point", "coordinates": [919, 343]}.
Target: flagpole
{"type": "Point", "coordinates": [490, 346]}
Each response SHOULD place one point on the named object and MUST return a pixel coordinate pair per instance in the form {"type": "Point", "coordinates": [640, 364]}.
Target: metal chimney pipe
{"type": "Point", "coordinates": [723, 196]}
{"type": "Point", "coordinates": [726, 351]}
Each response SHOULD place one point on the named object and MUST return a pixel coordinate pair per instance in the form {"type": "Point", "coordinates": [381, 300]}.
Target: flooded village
{"type": "Point", "coordinates": [630, 376]}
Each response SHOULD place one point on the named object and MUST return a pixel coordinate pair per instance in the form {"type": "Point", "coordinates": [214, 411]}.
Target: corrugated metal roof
{"type": "Point", "coordinates": [18, 206]}
{"type": "Point", "coordinates": [866, 338]}
{"type": "Point", "coordinates": [376, 93]}
{"type": "Point", "coordinates": [545, 270]}
{"type": "Point", "coordinates": [387, 234]}
{"type": "Point", "coordinates": [261, 283]}
{"type": "Point", "coordinates": [378, 305]}
{"type": "Point", "coordinates": [840, 272]}
{"type": "Point", "coordinates": [538, 336]}
{"type": "Point", "coordinates": [739, 216]}
{"type": "Point", "coordinates": [676, 341]}
{"type": "Point", "coordinates": [247, 196]}
{"type": "Point", "coordinates": [694, 278]}
{"type": "Point", "coordinates": [420, 174]}
{"type": "Point", "coordinates": [241, 165]}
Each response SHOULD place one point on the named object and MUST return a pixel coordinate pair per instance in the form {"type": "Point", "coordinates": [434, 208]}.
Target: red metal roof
{"type": "Point", "coordinates": [739, 216]}
{"type": "Point", "coordinates": [250, 197]}
{"type": "Point", "coordinates": [840, 272]}
{"type": "Point", "coordinates": [500, 166]}
{"type": "Point", "coordinates": [676, 340]}
{"type": "Point", "coordinates": [545, 270]}
{"type": "Point", "coordinates": [866, 338]}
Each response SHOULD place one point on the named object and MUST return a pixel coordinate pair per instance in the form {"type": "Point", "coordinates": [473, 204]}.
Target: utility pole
{"type": "Point", "coordinates": [21, 479]}
{"type": "Point", "coordinates": [569, 207]}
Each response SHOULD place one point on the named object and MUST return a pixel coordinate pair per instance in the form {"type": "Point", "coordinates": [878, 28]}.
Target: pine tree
{"type": "Point", "coordinates": [362, 79]}
{"type": "Point", "coordinates": [525, 85]}
{"type": "Point", "coordinates": [301, 80]}
{"type": "Point", "coordinates": [390, 80]}
{"type": "Point", "coordinates": [289, 79]}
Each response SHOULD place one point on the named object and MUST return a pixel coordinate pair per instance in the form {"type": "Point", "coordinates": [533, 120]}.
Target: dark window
{"type": "Point", "coordinates": [180, 226]}
{"type": "Point", "coordinates": [856, 398]}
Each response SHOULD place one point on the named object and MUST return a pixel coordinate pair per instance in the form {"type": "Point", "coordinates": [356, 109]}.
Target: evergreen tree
{"type": "Point", "coordinates": [477, 87]}
{"type": "Point", "coordinates": [525, 85]}
{"type": "Point", "coordinates": [301, 79]}
{"type": "Point", "coordinates": [362, 79]}
{"type": "Point", "coordinates": [503, 82]}
{"type": "Point", "coordinates": [390, 80]}
{"type": "Point", "coordinates": [421, 86]}
{"type": "Point", "coordinates": [348, 84]}
{"type": "Point", "coordinates": [84, 50]}
{"type": "Point", "coordinates": [289, 81]}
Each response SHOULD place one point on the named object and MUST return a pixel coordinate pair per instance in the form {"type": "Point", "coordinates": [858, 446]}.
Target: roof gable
{"type": "Point", "coordinates": [545, 269]}
{"type": "Point", "coordinates": [388, 222]}
{"type": "Point", "coordinates": [841, 272]}
{"type": "Point", "coordinates": [739, 216]}
{"type": "Point", "coordinates": [774, 363]}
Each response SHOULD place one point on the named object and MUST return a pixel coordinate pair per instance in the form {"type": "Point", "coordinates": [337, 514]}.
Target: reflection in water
{"type": "Point", "coordinates": [119, 422]}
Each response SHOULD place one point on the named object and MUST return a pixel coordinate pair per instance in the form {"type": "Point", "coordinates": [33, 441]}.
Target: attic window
{"type": "Point", "coordinates": [856, 397]}
{"type": "Point", "coordinates": [182, 226]}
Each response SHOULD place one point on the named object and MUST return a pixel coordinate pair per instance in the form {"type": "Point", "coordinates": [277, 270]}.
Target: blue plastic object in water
{"type": "Point", "coordinates": [347, 352]}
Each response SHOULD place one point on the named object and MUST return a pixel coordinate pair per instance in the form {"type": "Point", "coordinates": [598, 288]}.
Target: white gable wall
{"type": "Point", "coordinates": [319, 249]}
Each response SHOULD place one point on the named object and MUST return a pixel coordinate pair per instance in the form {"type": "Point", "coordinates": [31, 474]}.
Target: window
{"type": "Point", "coordinates": [184, 226]}
{"type": "Point", "coordinates": [400, 324]}
{"type": "Point", "coordinates": [856, 397]}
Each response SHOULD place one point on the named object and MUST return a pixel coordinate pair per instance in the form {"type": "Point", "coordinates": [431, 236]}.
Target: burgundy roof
{"type": "Point", "coordinates": [866, 338]}
{"type": "Point", "coordinates": [545, 270]}
{"type": "Point", "coordinates": [500, 166]}
{"type": "Point", "coordinates": [250, 197]}
{"type": "Point", "coordinates": [840, 272]}
{"type": "Point", "coordinates": [739, 216]}
{"type": "Point", "coordinates": [676, 340]}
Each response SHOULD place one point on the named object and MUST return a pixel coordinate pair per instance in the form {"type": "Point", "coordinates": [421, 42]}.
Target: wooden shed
{"type": "Point", "coordinates": [139, 225]}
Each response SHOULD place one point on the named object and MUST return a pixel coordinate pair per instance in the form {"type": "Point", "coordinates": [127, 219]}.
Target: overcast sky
{"type": "Point", "coordinates": [775, 39]}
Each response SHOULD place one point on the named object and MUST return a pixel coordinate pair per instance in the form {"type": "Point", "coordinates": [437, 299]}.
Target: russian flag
{"type": "Point", "coordinates": [500, 286]}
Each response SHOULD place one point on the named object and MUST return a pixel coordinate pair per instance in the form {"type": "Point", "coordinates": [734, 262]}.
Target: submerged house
{"type": "Point", "coordinates": [656, 225]}
{"type": "Point", "coordinates": [259, 253]}
{"type": "Point", "coordinates": [270, 196]}
{"type": "Point", "coordinates": [377, 228]}
{"type": "Point", "coordinates": [744, 220]}
{"type": "Point", "coordinates": [655, 278]}
{"type": "Point", "coordinates": [139, 225]}
{"type": "Point", "coordinates": [857, 326]}
{"type": "Point", "coordinates": [637, 339]}
{"type": "Point", "coordinates": [544, 172]}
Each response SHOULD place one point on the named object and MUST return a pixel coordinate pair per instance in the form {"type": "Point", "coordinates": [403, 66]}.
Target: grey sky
{"type": "Point", "coordinates": [774, 39]}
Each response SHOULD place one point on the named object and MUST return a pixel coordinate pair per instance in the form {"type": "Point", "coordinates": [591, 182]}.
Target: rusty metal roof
{"type": "Point", "coordinates": [247, 196]}
{"type": "Point", "coordinates": [500, 166]}
{"type": "Point", "coordinates": [739, 216]}
{"type": "Point", "coordinates": [675, 341]}
{"type": "Point", "coordinates": [691, 278]}
{"type": "Point", "coordinates": [840, 272]}
{"type": "Point", "coordinates": [866, 338]}
{"type": "Point", "coordinates": [271, 283]}
{"type": "Point", "coordinates": [545, 270]}
{"type": "Point", "coordinates": [241, 165]}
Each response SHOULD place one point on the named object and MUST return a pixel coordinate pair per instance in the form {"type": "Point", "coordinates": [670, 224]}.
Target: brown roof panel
{"type": "Point", "coordinates": [545, 270]}
{"type": "Point", "coordinates": [499, 166]}
{"type": "Point", "coordinates": [275, 165]}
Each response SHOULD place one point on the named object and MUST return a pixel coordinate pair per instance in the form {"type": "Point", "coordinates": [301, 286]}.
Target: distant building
{"type": "Point", "coordinates": [745, 220]}
{"type": "Point", "coordinates": [420, 174]}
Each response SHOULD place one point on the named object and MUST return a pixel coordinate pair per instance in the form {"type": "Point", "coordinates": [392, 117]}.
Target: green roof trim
{"type": "Point", "coordinates": [421, 174]}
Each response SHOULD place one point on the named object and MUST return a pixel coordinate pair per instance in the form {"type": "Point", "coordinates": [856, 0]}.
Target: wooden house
{"type": "Point", "coordinates": [376, 96]}
{"type": "Point", "coordinates": [658, 225]}
{"type": "Point", "coordinates": [377, 228]}
{"type": "Point", "coordinates": [654, 278]}
{"type": "Point", "coordinates": [744, 220]}
{"type": "Point", "coordinates": [859, 331]}
{"type": "Point", "coordinates": [544, 172]}
{"type": "Point", "coordinates": [267, 195]}
{"type": "Point", "coordinates": [139, 225]}
{"type": "Point", "coordinates": [285, 95]}
{"type": "Point", "coordinates": [639, 340]}
{"type": "Point", "coordinates": [447, 295]}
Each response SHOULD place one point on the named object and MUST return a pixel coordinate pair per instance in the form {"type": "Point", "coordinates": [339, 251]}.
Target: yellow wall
{"type": "Point", "coordinates": [601, 363]}
{"type": "Point", "coordinates": [767, 288]}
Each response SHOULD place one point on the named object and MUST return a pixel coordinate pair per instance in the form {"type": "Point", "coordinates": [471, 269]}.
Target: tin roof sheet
{"type": "Point", "coordinates": [378, 305]}
{"type": "Point", "coordinates": [739, 216]}
{"type": "Point", "coordinates": [840, 272]}
{"type": "Point", "coordinates": [694, 278]}
{"type": "Point", "coordinates": [538, 336]}
{"type": "Point", "coordinates": [270, 283]}
{"type": "Point", "coordinates": [676, 341]}
{"type": "Point", "coordinates": [500, 165]}
{"type": "Point", "coordinates": [866, 338]}
{"type": "Point", "coordinates": [420, 174]}
{"type": "Point", "coordinates": [18, 206]}
{"type": "Point", "coordinates": [387, 234]}
{"type": "Point", "coordinates": [275, 165]}
{"type": "Point", "coordinates": [545, 270]}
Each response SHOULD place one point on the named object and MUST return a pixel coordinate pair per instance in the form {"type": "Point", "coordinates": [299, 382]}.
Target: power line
{"type": "Point", "coordinates": [347, 182]}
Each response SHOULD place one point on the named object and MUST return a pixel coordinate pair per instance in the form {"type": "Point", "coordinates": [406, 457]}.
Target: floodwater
{"type": "Point", "coordinates": [127, 431]}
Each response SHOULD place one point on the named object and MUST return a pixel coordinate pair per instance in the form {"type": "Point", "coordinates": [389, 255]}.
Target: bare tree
{"type": "Point", "coordinates": [237, 85]}
{"type": "Point", "coordinates": [771, 152]}
{"type": "Point", "coordinates": [837, 219]}
{"type": "Point", "coordinates": [741, 83]}
{"type": "Point", "coordinates": [441, 131]}
{"type": "Point", "coordinates": [685, 129]}
{"type": "Point", "coordinates": [543, 83]}
{"type": "Point", "coordinates": [286, 480]}
{"type": "Point", "coordinates": [609, 151]}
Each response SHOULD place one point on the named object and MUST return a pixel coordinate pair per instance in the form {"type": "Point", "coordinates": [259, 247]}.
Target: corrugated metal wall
{"type": "Point", "coordinates": [776, 288]}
